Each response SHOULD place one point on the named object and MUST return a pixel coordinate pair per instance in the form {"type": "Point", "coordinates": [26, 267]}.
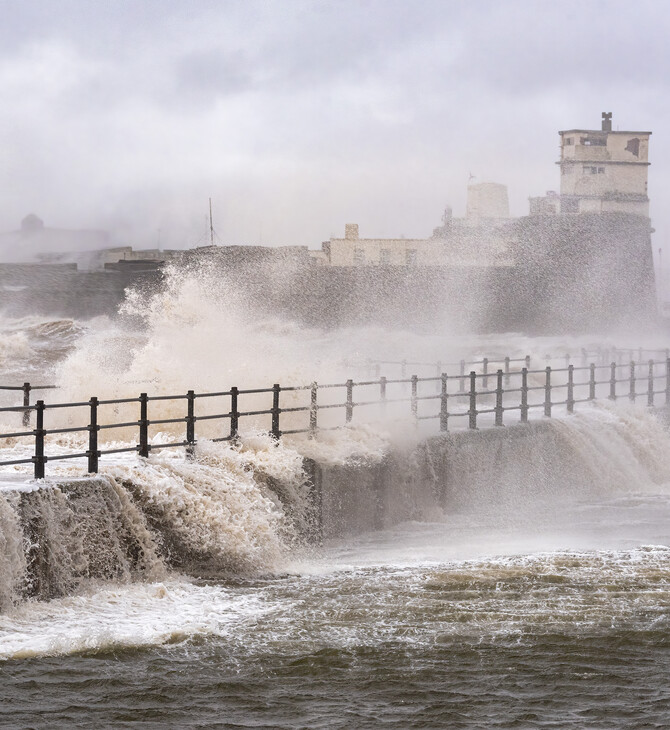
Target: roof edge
{"type": "Point", "coordinates": [601, 131]}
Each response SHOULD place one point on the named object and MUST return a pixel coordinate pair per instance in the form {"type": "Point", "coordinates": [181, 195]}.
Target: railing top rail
{"type": "Point", "coordinates": [444, 363]}
{"type": "Point", "coordinates": [17, 408]}
{"type": "Point", "coordinates": [79, 404]}
{"type": "Point", "coordinates": [32, 387]}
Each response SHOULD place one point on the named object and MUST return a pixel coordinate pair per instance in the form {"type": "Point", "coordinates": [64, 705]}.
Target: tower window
{"type": "Point", "coordinates": [359, 256]}
{"type": "Point", "coordinates": [569, 141]}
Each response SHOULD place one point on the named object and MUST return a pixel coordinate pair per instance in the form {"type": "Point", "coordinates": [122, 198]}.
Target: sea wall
{"type": "Point", "coordinates": [501, 470]}
{"type": "Point", "coordinates": [576, 273]}
{"type": "Point", "coordinates": [242, 513]}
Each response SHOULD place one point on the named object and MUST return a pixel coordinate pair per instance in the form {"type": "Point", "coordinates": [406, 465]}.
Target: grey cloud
{"type": "Point", "coordinates": [307, 113]}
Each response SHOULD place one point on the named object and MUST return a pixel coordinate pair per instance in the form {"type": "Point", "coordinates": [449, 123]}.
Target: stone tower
{"type": "Point", "coordinates": [604, 171]}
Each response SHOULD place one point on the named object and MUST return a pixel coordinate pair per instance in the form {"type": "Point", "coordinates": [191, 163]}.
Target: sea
{"type": "Point", "coordinates": [184, 594]}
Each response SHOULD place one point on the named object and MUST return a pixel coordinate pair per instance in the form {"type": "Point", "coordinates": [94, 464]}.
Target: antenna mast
{"type": "Point", "coordinates": [211, 224]}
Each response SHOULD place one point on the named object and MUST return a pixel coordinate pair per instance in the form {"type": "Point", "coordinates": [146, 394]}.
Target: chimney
{"type": "Point", "coordinates": [351, 230]}
{"type": "Point", "coordinates": [607, 122]}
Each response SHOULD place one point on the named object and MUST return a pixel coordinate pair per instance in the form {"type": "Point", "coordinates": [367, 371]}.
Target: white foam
{"type": "Point", "coordinates": [115, 617]}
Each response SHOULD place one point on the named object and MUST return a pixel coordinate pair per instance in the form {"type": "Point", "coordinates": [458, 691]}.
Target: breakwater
{"type": "Point", "coordinates": [585, 273]}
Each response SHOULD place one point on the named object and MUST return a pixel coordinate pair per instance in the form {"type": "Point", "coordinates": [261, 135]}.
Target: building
{"type": "Point", "coordinates": [486, 201]}
{"type": "Point", "coordinates": [355, 251]}
{"type": "Point", "coordinates": [36, 242]}
{"type": "Point", "coordinates": [479, 239]}
{"type": "Point", "coordinates": [604, 171]}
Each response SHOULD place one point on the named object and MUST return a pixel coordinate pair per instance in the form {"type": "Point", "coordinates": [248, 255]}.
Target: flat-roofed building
{"type": "Point", "coordinates": [604, 171]}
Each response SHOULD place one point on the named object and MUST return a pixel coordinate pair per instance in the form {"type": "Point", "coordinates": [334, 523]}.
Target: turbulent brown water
{"type": "Point", "coordinates": [181, 595]}
{"type": "Point", "coordinates": [545, 610]}
{"type": "Point", "coordinates": [365, 637]}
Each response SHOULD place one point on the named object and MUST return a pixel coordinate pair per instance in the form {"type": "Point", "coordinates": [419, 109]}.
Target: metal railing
{"type": "Point", "coordinates": [374, 367]}
{"type": "Point", "coordinates": [462, 396]}
{"type": "Point", "coordinates": [27, 388]}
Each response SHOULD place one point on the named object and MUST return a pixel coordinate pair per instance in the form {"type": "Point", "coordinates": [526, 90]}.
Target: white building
{"type": "Point", "coordinates": [486, 201]}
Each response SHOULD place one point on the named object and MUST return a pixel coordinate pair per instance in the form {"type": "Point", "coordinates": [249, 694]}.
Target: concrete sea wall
{"type": "Point", "coordinates": [498, 470]}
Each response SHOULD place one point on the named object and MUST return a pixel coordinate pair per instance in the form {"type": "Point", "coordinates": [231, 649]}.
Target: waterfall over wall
{"type": "Point", "coordinates": [239, 512]}
{"type": "Point", "coordinates": [511, 470]}
{"type": "Point", "coordinates": [222, 516]}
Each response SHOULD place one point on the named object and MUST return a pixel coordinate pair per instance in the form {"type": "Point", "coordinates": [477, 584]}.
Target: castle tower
{"type": "Point", "coordinates": [487, 200]}
{"type": "Point", "coordinates": [603, 171]}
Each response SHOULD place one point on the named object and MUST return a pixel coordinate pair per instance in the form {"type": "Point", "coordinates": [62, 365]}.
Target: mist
{"type": "Point", "coordinates": [296, 118]}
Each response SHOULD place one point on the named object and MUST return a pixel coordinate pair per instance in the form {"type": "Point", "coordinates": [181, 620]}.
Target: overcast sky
{"type": "Point", "coordinates": [299, 116]}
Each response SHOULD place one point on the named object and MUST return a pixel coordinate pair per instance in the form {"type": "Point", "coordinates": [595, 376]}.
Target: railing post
{"type": "Point", "coordinates": [571, 389]}
{"type": "Point", "coordinates": [592, 381]}
{"type": "Point", "coordinates": [473, 400]}
{"type": "Point", "coordinates": [234, 414]}
{"type": "Point", "coordinates": [527, 359]}
{"type": "Point", "coordinates": [485, 373]}
{"type": "Point", "coordinates": [349, 406]}
{"type": "Point", "coordinates": [631, 394]}
{"type": "Point", "coordinates": [444, 404]}
{"type": "Point", "coordinates": [93, 429]}
{"type": "Point", "coordinates": [382, 392]}
{"type": "Point", "coordinates": [276, 433]}
{"type": "Point", "coordinates": [524, 395]}
{"type": "Point", "coordinates": [507, 370]}
{"type": "Point", "coordinates": [39, 457]}
{"type": "Point", "coordinates": [26, 404]}
{"type": "Point", "coordinates": [190, 425]}
{"type": "Point", "coordinates": [144, 426]}
{"type": "Point", "coordinates": [650, 385]}
{"type": "Point", "coordinates": [613, 367]}
{"type": "Point", "coordinates": [461, 379]}
{"type": "Point", "coordinates": [547, 392]}
{"type": "Point", "coordinates": [499, 398]}
{"type": "Point", "coordinates": [313, 407]}
{"type": "Point", "coordinates": [414, 399]}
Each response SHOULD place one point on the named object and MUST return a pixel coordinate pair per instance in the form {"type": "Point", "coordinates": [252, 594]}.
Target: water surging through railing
{"type": "Point", "coordinates": [468, 399]}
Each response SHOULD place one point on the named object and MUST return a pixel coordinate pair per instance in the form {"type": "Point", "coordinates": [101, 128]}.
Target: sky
{"type": "Point", "coordinates": [298, 116]}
